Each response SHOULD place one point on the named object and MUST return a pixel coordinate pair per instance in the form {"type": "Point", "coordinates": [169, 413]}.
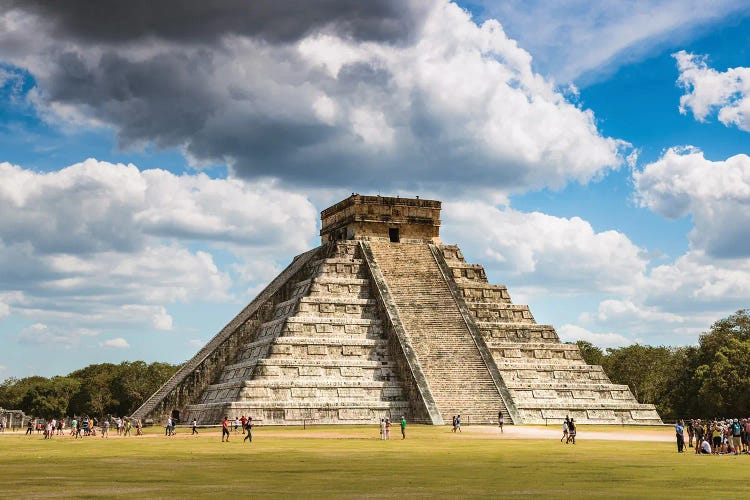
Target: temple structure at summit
{"type": "Point", "coordinates": [383, 320]}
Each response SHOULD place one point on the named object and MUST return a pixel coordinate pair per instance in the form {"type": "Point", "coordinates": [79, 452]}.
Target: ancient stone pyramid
{"type": "Point", "coordinates": [383, 320]}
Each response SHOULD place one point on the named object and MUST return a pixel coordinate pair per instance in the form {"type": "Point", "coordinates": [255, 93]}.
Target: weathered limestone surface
{"type": "Point", "coordinates": [546, 378]}
{"type": "Point", "coordinates": [322, 356]}
{"type": "Point", "coordinates": [383, 321]}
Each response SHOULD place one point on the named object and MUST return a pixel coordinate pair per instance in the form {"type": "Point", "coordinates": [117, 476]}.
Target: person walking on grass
{"type": "Point", "coordinates": [105, 429]}
{"type": "Point", "coordinates": [680, 435]}
{"type": "Point", "coordinates": [572, 431]}
{"type": "Point", "coordinates": [458, 423]}
{"type": "Point", "coordinates": [566, 431]}
{"type": "Point", "coordinates": [225, 429]}
{"type": "Point", "coordinates": [500, 420]}
{"type": "Point", "coordinates": [387, 428]}
{"type": "Point", "coordinates": [382, 429]}
{"type": "Point", "coordinates": [195, 427]}
{"type": "Point", "coordinates": [249, 430]}
{"type": "Point", "coordinates": [453, 421]}
{"type": "Point", "coordinates": [403, 427]}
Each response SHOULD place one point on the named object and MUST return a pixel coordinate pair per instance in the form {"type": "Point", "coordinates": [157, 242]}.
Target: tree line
{"type": "Point", "coordinates": [97, 390]}
{"type": "Point", "coordinates": [711, 379]}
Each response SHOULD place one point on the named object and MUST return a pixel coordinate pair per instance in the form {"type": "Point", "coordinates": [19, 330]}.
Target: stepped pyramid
{"type": "Point", "coordinates": [383, 320]}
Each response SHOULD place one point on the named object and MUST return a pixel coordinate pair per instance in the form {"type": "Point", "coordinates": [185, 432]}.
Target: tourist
{"type": "Point", "coordinates": [699, 433]}
{"type": "Point", "coordinates": [195, 427]}
{"type": "Point", "coordinates": [138, 427]}
{"type": "Point", "coordinates": [167, 426]}
{"type": "Point", "coordinates": [572, 431]}
{"type": "Point", "coordinates": [225, 429]}
{"type": "Point", "coordinates": [243, 422]}
{"type": "Point", "coordinates": [249, 430]}
{"type": "Point", "coordinates": [128, 427]}
{"type": "Point", "coordinates": [454, 424]}
{"type": "Point", "coordinates": [236, 424]}
{"type": "Point", "coordinates": [387, 428]}
{"type": "Point", "coordinates": [382, 429]}
{"type": "Point", "coordinates": [691, 432]}
{"type": "Point", "coordinates": [566, 429]}
{"type": "Point", "coordinates": [705, 448]}
{"type": "Point", "coordinates": [403, 427]}
{"type": "Point", "coordinates": [458, 423]}
{"type": "Point", "coordinates": [500, 420]}
{"type": "Point", "coordinates": [736, 436]}
{"type": "Point", "coordinates": [679, 434]}
{"type": "Point", "coordinates": [105, 429]}
{"type": "Point", "coordinates": [716, 435]}
{"type": "Point", "coordinates": [30, 428]}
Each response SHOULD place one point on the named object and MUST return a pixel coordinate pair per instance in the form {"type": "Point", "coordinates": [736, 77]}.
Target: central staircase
{"type": "Point", "coordinates": [456, 373]}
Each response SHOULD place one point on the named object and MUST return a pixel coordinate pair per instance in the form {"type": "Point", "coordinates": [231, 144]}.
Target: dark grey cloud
{"type": "Point", "coordinates": [450, 106]}
{"type": "Point", "coordinates": [207, 20]}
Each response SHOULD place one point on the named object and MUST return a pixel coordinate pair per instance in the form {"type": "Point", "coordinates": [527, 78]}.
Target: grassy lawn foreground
{"type": "Point", "coordinates": [431, 462]}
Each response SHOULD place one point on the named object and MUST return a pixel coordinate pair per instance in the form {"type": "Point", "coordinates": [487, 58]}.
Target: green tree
{"type": "Point", "coordinates": [648, 371]}
{"type": "Point", "coordinates": [592, 355]}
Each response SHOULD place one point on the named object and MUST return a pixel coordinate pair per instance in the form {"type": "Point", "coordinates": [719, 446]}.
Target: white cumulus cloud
{"type": "Point", "coordinates": [573, 333]}
{"type": "Point", "coordinates": [709, 91]}
{"type": "Point", "coordinates": [98, 245]}
{"type": "Point", "coordinates": [715, 193]}
{"type": "Point", "coordinates": [562, 254]}
{"type": "Point", "coordinates": [118, 343]}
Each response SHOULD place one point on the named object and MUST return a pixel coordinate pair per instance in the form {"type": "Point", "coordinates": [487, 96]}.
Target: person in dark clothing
{"type": "Point", "coordinates": [249, 430]}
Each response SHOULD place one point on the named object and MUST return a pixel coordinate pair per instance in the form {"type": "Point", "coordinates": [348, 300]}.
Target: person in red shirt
{"type": "Point", "coordinates": [225, 429]}
{"type": "Point", "coordinates": [244, 421]}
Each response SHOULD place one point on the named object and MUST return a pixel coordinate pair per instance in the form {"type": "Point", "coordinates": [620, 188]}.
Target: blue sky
{"type": "Point", "coordinates": [156, 170]}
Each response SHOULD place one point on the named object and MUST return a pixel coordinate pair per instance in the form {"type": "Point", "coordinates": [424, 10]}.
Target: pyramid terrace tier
{"type": "Point", "coordinates": [329, 305]}
{"type": "Point", "coordinates": [529, 372]}
{"type": "Point", "coordinates": [501, 312]}
{"type": "Point", "coordinates": [308, 326]}
{"type": "Point", "coordinates": [588, 413]}
{"type": "Point", "coordinates": [325, 285]}
{"type": "Point", "coordinates": [477, 291]}
{"type": "Point", "coordinates": [499, 331]}
{"type": "Point", "coordinates": [295, 412]}
{"type": "Point", "coordinates": [579, 393]}
{"type": "Point", "coordinates": [309, 389]}
{"type": "Point", "coordinates": [286, 368]}
{"type": "Point", "coordinates": [299, 347]}
{"type": "Point", "coordinates": [536, 352]}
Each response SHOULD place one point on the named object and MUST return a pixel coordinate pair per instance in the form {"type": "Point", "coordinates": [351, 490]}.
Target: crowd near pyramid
{"type": "Point", "coordinates": [383, 320]}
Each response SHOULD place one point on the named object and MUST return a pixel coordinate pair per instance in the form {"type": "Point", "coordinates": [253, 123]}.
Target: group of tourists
{"type": "Point", "coordinates": [569, 431]}
{"type": "Point", "coordinates": [84, 427]}
{"type": "Point", "coordinates": [714, 437]}
{"type": "Point", "coordinates": [385, 428]}
{"type": "Point", "coordinates": [245, 422]}
{"type": "Point", "coordinates": [456, 423]}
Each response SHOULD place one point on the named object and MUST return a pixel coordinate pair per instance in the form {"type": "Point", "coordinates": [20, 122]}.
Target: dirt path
{"type": "Point", "coordinates": [652, 434]}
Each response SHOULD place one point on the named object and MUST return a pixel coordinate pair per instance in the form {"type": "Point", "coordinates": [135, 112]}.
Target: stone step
{"type": "Point", "coordinates": [430, 316]}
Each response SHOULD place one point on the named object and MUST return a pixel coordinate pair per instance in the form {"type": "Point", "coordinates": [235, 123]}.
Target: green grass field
{"type": "Point", "coordinates": [353, 462]}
